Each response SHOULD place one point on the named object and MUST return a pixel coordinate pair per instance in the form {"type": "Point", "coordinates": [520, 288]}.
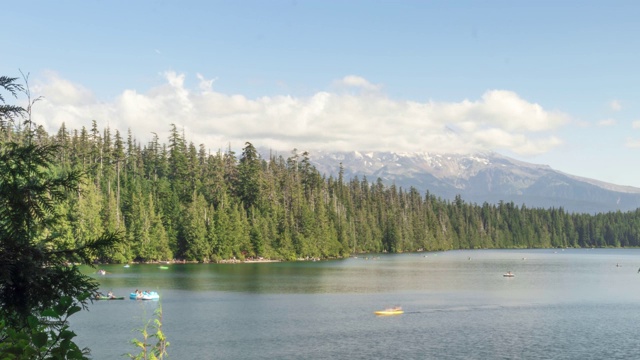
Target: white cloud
{"type": "Point", "coordinates": [358, 82]}
{"type": "Point", "coordinates": [635, 124]}
{"type": "Point", "coordinates": [615, 105]}
{"type": "Point", "coordinates": [632, 143]}
{"type": "Point", "coordinates": [607, 122]}
{"type": "Point", "coordinates": [498, 120]}
{"type": "Point", "coordinates": [62, 91]}
{"type": "Point", "coordinates": [205, 85]}
{"type": "Point", "coordinates": [502, 109]}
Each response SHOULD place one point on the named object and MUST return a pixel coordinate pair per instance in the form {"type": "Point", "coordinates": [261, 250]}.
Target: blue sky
{"type": "Point", "coordinates": [549, 82]}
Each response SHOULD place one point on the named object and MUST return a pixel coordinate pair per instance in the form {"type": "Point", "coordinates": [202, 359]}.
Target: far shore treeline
{"type": "Point", "coordinates": [177, 200]}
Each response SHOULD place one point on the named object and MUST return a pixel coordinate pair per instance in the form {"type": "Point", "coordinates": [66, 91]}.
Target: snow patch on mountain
{"type": "Point", "coordinates": [480, 177]}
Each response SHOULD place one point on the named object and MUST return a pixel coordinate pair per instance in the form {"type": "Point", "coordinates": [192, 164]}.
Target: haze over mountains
{"type": "Point", "coordinates": [481, 177]}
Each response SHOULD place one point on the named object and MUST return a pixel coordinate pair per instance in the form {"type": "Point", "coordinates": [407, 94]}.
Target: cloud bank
{"type": "Point", "coordinates": [366, 120]}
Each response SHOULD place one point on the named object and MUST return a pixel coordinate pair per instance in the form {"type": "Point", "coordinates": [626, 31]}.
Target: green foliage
{"type": "Point", "coordinates": [9, 113]}
{"type": "Point", "coordinates": [150, 350]}
{"type": "Point", "coordinates": [194, 226]}
{"type": "Point", "coordinates": [249, 185]}
{"type": "Point", "coordinates": [207, 207]}
{"type": "Point", "coordinates": [45, 335]}
{"type": "Point", "coordinates": [33, 260]}
{"type": "Point", "coordinates": [39, 285]}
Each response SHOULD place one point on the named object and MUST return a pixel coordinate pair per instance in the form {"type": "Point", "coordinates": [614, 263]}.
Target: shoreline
{"type": "Point", "coordinates": [249, 261]}
{"type": "Point", "coordinates": [173, 262]}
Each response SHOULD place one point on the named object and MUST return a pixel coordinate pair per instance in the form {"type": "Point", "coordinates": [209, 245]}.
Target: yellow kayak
{"type": "Point", "coordinates": [391, 311]}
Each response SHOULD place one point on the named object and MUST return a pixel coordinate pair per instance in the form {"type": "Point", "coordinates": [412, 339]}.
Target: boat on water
{"type": "Point", "coordinates": [509, 274]}
{"type": "Point", "coordinates": [144, 295]}
{"type": "Point", "coordinates": [109, 298]}
{"type": "Point", "coordinates": [390, 311]}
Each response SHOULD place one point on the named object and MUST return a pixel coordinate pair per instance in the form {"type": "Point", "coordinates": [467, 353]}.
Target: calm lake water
{"type": "Point", "coordinates": [561, 304]}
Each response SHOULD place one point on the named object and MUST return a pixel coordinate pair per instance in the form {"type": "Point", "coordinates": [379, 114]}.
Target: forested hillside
{"type": "Point", "coordinates": [176, 200]}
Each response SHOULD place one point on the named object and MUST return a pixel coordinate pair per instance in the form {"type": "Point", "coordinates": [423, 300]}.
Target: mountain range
{"type": "Point", "coordinates": [481, 177]}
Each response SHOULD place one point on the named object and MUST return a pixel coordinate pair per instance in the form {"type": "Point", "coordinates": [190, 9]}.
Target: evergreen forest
{"type": "Point", "coordinates": [174, 200]}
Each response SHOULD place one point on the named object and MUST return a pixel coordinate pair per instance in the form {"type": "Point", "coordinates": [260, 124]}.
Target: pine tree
{"type": "Point", "coordinates": [34, 271]}
{"type": "Point", "coordinates": [195, 230]}
{"type": "Point", "coordinates": [9, 113]}
{"type": "Point", "coordinates": [249, 185]}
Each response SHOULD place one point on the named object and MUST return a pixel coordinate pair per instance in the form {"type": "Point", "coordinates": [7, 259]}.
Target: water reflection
{"type": "Point", "coordinates": [457, 305]}
{"type": "Point", "coordinates": [571, 274]}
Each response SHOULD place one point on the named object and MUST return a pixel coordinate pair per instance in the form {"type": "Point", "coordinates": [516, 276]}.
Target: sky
{"type": "Point", "coordinates": [546, 82]}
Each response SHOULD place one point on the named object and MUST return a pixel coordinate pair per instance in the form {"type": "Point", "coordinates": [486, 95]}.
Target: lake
{"type": "Point", "coordinates": [561, 304]}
